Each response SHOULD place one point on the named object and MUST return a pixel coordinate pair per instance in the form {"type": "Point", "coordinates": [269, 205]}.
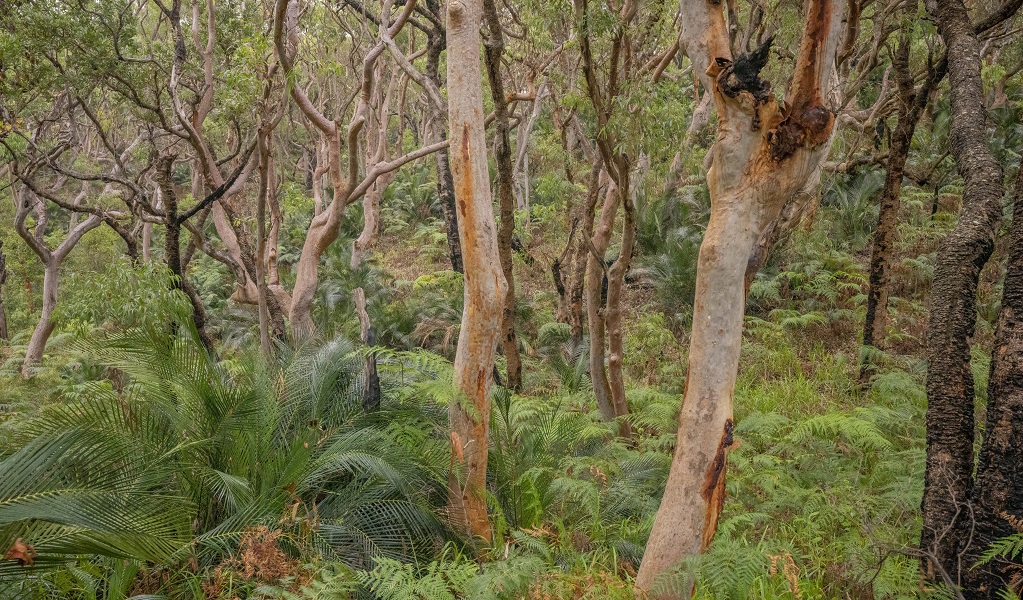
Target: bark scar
{"type": "Point", "coordinates": [713, 491]}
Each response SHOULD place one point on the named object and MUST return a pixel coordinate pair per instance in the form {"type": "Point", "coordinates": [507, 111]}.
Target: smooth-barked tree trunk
{"type": "Point", "coordinates": [485, 287]}
{"type": "Point", "coordinates": [52, 261]}
{"type": "Point", "coordinates": [596, 282]}
{"type": "Point", "coordinates": [764, 155]}
{"type": "Point", "coordinates": [948, 478]}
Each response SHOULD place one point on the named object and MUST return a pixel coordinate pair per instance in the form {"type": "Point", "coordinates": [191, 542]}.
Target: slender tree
{"type": "Point", "coordinates": [494, 46]}
{"type": "Point", "coordinates": [485, 286]}
{"type": "Point", "coordinates": [911, 103]}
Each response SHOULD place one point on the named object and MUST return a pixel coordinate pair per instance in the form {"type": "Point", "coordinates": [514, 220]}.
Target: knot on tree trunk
{"type": "Point", "coordinates": [743, 75]}
{"type": "Point", "coordinates": [802, 127]}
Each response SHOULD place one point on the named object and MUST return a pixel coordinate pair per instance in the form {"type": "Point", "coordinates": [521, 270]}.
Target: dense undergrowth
{"type": "Point", "coordinates": [140, 466]}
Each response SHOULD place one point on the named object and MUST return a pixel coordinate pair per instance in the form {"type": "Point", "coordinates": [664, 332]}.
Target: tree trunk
{"type": "Point", "coordinates": [948, 478]}
{"type": "Point", "coordinates": [264, 191]}
{"type": "Point", "coordinates": [360, 252]}
{"type": "Point", "coordinates": [45, 326]}
{"type": "Point", "coordinates": [998, 493]}
{"type": "Point", "coordinates": [4, 334]}
{"type": "Point", "coordinates": [485, 287]}
{"type": "Point", "coordinates": [765, 153]}
{"type": "Point", "coordinates": [505, 183]}
{"type": "Point", "coordinates": [596, 280]}
{"type": "Point", "coordinates": [52, 261]}
{"type": "Point", "coordinates": [147, 241]}
{"type": "Point", "coordinates": [613, 310]}
{"type": "Point", "coordinates": [442, 160]}
{"type": "Point", "coordinates": [577, 286]}
{"type": "Point", "coordinates": [172, 250]}
{"type": "Point", "coordinates": [911, 105]}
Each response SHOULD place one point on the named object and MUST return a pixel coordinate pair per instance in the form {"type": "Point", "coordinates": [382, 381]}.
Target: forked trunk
{"type": "Point", "coordinates": [52, 261]}
{"type": "Point", "coordinates": [763, 156]}
{"type": "Point", "coordinates": [998, 494]}
{"type": "Point", "coordinates": [948, 478]}
{"type": "Point", "coordinates": [485, 286]}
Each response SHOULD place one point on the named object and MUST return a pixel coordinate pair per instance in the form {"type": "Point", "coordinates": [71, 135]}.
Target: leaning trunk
{"type": "Point", "coordinates": [948, 477]}
{"type": "Point", "coordinates": [45, 326]}
{"type": "Point", "coordinates": [485, 287]}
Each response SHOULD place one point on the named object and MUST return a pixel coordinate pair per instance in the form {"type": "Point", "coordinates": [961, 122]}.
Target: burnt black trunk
{"type": "Point", "coordinates": [911, 105]}
{"type": "Point", "coordinates": [948, 480]}
{"type": "Point", "coordinates": [436, 43]}
{"type": "Point", "coordinates": [494, 49]}
{"type": "Point", "coordinates": [998, 491]}
{"type": "Point", "coordinates": [172, 251]}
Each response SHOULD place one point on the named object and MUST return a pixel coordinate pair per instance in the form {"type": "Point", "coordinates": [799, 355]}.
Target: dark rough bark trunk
{"type": "Point", "coordinates": [172, 251]}
{"type": "Point", "coordinates": [436, 42]}
{"type": "Point", "coordinates": [4, 334]}
{"type": "Point", "coordinates": [948, 479]}
{"type": "Point", "coordinates": [494, 49]}
{"type": "Point", "coordinates": [998, 492]}
{"type": "Point", "coordinates": [910, 108]}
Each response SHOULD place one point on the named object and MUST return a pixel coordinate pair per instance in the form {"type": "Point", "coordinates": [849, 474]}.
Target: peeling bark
{"type": "Point", "coordinates": [485, 286]}
{"type": "Point", "coordinates": [764, 155]}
